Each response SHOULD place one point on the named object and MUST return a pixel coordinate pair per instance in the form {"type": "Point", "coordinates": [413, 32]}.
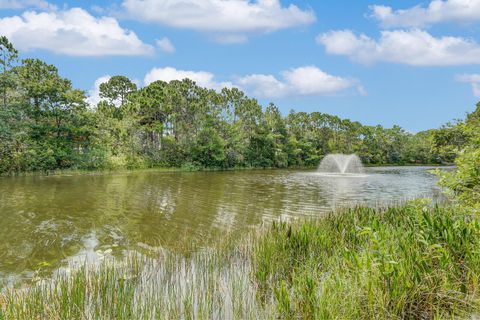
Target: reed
{"type": "Point", "coordinates": [409, 262]}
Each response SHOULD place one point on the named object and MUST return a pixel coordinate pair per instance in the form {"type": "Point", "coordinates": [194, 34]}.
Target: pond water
{"type": "Point", "coordinates": [44, 221]}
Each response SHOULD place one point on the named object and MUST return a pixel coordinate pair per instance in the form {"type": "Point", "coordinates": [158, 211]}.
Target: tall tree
{"type": "Point", "coordinates": [117, 89]}
{"type": "Point", "coordinates": [8, 55]}
{"type": "Point", "coordinates": [153, 112]}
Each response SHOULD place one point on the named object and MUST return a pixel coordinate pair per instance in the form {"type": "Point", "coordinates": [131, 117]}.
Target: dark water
{"type": "Point", "coordinates": [45, 220]}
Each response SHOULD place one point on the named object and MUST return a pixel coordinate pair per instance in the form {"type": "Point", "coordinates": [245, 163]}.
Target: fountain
{"type": "Point", "coordinates": [341, 164]}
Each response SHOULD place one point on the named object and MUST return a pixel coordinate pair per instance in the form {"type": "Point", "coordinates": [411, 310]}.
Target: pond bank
{"type": "Point", "coordinates": [186, 169]}
{"type": "Point", "coordinates": [69, 172]}
{"type": "Point", "coordinates": [412, 261]}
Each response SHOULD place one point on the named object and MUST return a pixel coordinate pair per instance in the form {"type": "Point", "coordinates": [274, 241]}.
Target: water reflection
{"type": "Point", "coordinates": [44, 220]}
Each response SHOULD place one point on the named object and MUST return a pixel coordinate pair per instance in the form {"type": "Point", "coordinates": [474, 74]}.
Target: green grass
{"type": "Point", "coordinates": [160, 285]}
{"type": "Point", "coordinates": [407, 262]}
{"type": "Point", "coordinates": [185, 168]}
{"type": "Point", "coordinates": [76, 172]}
{"type": "Point", "coordinates": [107, 171]}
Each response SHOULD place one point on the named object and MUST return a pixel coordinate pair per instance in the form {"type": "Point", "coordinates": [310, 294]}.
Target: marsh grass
{"type": "Point", "coordinates": [413, 261]}
{"type": "Point", "coordinates": [160, 285]}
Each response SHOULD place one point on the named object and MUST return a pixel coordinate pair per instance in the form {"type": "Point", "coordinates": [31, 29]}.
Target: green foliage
{"type": "Point", "coordinates": [117, 89]}
{"type": "Point", "coordinates": [208, 149]}
{"type": "Point", "coordinates": [464, 181]}
{"type": "Point", "coordinates": [46, 124]}
{"type": "Point", "coordinates": [449, 140]}
{"type": "Point", "coordinates": [8, 56]}
{"type": "Point", "coordinates": [414, 262]}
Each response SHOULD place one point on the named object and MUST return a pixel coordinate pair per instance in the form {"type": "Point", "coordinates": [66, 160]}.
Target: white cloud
{"type": "Point", "coordinates": [264, 85]}
{"type": "Point", "coordinates": [94, 93]}
{"type": "Point", "coordinates": [308, 80]}
{"type": "Point", "coordinates": [411, 47]}
{"type": "Point", "coordinates": [165, 45]}
{"type": "Point", "coordinates": [311, 80]}
{"type": "Point", "coordinates": [228, 19]}
{"type": "Point", "coordinates": [230, 38]}
{"type": "Point", "coordinates": [473, 79]}
{"type": "Point", "coordinates": [22, 4]}
{"type": "Point", "coordinates": [436, 12]}
{"type": "Point", "coordinates": [72, 32]}
{"type": "Point", "coordinates": [202, 78]}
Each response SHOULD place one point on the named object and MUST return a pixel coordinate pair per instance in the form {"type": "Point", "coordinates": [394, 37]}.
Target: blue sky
{"type": "Point", "coordinates": [411, 63]}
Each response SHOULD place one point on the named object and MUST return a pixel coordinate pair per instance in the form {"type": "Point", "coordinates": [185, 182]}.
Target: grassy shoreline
{"type": "Point", "coordinates": [67, 172]}
{"type": "Point", "coordinates": [410, 165]}
{"type": "Point", "coordinates": [151, 169]}
{"type": "Point", "coordinates": [411, 261]}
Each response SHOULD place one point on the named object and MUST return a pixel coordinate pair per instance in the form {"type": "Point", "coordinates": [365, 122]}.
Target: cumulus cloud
{"type": "Point", "coordinates": [301, 81]}
{"type": "Point", "coordinates": [165, 45]}
{"type": "Point", "coordinates": [264, 85]}
{"type": "Point", "coordinates": [202, 78]}
{"type": "Point", "coordinates": [94, 93]}
{"type": "Point", "coordinates": [308, 80]}
{"type": "Point", "coordinates": [436, 12]}
{"type": "Point", "coordinates": [230, 20]}
{"type": "Point", "coordinates": [72, 32]}
{"type": "Point", "coordinates": [411, 47]}
{"type": "Point", "coordinates": [473, 79]}
{"type": "Point", "coordinates": [22, 4]}
{"type": "Point", "coordinates": [230, 38]}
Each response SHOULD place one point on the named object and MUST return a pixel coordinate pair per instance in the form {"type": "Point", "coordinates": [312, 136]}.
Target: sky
{"type": "Point", "coordinates": [411, 63]}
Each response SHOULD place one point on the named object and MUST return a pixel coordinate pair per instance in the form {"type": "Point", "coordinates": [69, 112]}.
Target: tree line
{"type": "Point", "coordinates": [47, 124]}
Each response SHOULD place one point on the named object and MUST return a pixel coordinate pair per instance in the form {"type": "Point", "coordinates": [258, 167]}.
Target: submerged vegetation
{"type": "Point", "coordinates": [413, 261]}
{"type": "Point", "coordinates": [46, 124]}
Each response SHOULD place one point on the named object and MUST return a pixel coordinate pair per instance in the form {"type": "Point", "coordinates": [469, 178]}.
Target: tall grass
{"type": "Point", "coordinates": [205, 285]}
{"type": "Point", "coordinates": [412, 261]}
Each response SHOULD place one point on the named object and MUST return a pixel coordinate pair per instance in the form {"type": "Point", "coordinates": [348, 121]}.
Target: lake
{"type": "Point", "coordinates": [46, 220]}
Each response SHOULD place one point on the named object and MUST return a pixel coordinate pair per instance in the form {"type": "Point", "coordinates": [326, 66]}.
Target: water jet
{"type": "Point", "coordinates": [341, 164]}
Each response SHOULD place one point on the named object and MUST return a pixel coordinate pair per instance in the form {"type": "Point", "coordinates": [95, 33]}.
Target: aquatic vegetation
{"type": "Point", "coordinates": [161, 285]}
{"type": "Point", "coordinates": [411, 261]}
